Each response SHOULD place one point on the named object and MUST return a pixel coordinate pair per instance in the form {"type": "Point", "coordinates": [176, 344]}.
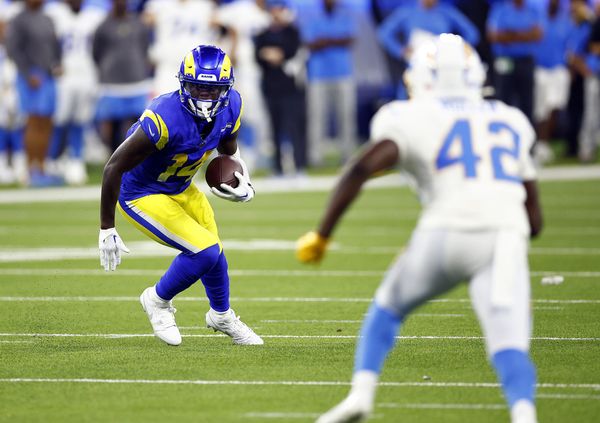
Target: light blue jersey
{"type": "Point", "coordinates": [181, 149]}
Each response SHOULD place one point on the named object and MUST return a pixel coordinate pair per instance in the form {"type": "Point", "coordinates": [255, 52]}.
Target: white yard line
{"type": "Point", "coordinates": [264, 299]}
{"type": "Point", "coordinates": [232, 272]}
{"type": "Point", "coordinates": [360, 321]}
{"type": "Point", "coordinates": [568, 396]}
{"type": "Point", "coordinates": [280, 415]}
{"type": "Point", "coordinates": [144, 249]}
{"type": "Point", "coordinates": [594, 386]}
{"type": "Point", "coordinates": [146, 335]}
{"type": "Point", "coordinates": [267, 185]}
{"type": "Point", "coordinates": [352, 274]}
{"type": "Point", "coordinates": [444, 406]}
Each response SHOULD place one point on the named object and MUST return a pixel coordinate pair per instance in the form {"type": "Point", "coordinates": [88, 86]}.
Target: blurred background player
{"type": "Point", "coordinates": [76, 88]}
{"type": "Point", "coordinates": [551, 78]}
{"type": "Point", "coordinates": [589, 137]}
{"type": "Point", "coordinates": [247, 18]}
{"type": "Point", "coordinates": [276, 47]}
{"type": "Point", "coordinates": [151, 176]}
{"type": "Point", "coordinates": [328, 31]}
{"type": "Point", "coordinates": [475, 178]}
{"type": "Point", "coordinates": [179, 26]}
{"type": "Point", "coordinates": [408, 24]}
{"type": "Point", "coordinates": [13, 163]}
{"type": "Point", "coordinates": [514, 28]}
{"type": "Point", "coordinates": [582, 17]}
{"type": "Point", "coordinates": [32, 44]}
{"type": "Point", "coordinates": [120, 52]}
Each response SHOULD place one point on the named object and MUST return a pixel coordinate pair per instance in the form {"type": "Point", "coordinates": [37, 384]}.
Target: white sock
{"type": "Point", "coordinates": [364, 384]}
{"type": "Point", "coordinates": [155, 296]}
{"type": "Point", "coordinates": [3, 160]}
{"type": "Point", "coordinates": [523, 411]}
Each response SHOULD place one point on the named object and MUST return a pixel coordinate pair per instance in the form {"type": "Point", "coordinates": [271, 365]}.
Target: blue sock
{"type": "Point", "coordinates": [516, 373]}
{"type": "Point", "coordinates": [216, 284]}
{"type": "Point", "coordinates": [56, 142]}
{"type": "Point", "coordinates": [4, 135]}
{"type": "Point", "coordinates": [76, 141]}
{"type": "Point", "coordinates": [378, 335]}
{"type": "Point", "coordinates": [185, 270]}
{"type": "Point", "coordinates": [16, 140]}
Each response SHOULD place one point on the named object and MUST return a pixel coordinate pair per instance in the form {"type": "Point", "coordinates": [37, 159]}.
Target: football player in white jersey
{"type": "Point", "coordinates": [13, 163]}
{"type": "Point", "coordinates": [476, 181]}
{"type": "Point", "coordinates": [247, 19]}
{"type": "Point", "coordinates": [179, 26]}
{"type": "Point", "coordinates": [77, 87]}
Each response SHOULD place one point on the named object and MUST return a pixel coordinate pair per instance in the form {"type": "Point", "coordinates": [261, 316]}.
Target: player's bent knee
{"type": "Point", "coordinates": [206, 259]}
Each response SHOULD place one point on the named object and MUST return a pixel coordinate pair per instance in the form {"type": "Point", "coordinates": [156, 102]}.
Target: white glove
{"type": "Point", "coordinates": [242, 193]}
{"type": "Point", "coordinates": [110, 245]}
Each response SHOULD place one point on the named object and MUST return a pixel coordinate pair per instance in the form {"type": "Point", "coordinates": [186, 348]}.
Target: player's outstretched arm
{"type": "Point", "coordinates": [129, 154]}
{"type": "Point", "coordinates": [374, 159]}
{"type": "Point", "coordinates": [534, 209]}
{"type": "Point", "coordinates": [244, 192]}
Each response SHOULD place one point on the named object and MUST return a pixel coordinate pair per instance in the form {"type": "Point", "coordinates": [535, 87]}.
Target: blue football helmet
{"type": "Point", "coordinates": [206, 78]}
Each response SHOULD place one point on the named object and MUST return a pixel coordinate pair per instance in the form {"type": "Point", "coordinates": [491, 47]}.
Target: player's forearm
{"type": "Point", "coordinates": [111, 182]}
{"type": "Point", "coordinates": [228, 145]}
{"type": "Point", "coordinates": [373, 160]}
{"type": "Point", "coordinates": [532, 205]}
{"type": "Point", "coordinates": [345, 193]}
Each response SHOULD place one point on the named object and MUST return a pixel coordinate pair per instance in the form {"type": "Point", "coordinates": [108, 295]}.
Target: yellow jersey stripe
{"type": "Point", "coordinates": [163, 131]}
{"type": "Point", "coordinates": [238, 122]}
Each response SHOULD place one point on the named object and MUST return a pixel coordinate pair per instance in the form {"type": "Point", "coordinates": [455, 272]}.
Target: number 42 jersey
{"type": "Point", "coordinates": [468, 158]}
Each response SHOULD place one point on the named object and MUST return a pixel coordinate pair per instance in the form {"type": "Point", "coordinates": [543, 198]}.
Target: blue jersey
{"type": "Point", "coordinates": [180, 147]}
{"type": "Point", "coordinates": [505, 16]}
{"type": "Point", "coordinates": [552, 48]}
{"type": "Point", "coordinates": [436, 20]}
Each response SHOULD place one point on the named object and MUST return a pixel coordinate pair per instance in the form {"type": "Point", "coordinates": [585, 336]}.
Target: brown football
{"type": "Point", "coordinates": [221, 170]}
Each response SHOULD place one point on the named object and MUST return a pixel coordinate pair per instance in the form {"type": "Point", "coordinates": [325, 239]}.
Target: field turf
{"type": "Point", "coordinates": [75, 345]}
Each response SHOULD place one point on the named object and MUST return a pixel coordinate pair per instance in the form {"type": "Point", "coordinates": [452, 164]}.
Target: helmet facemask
{"type": "Point", "coordinates": [203, 99]}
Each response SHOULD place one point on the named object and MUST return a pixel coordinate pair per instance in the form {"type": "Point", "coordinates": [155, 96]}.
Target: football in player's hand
{"type": "Point", "coordinates": [221, 170]}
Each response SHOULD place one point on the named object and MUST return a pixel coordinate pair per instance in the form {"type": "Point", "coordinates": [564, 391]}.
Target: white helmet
{"type": "Point", "coordinates": [445, 67]}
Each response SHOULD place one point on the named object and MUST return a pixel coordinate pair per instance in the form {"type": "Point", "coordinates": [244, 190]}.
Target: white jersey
{"type": "Point", "coordinates": [179, 25]}
{"type": "Point", "coordinates": [247, 19]}
{"type": "Point", "coordinates": [75, 32]}
{"type": "Point", "coordinates": [468, 159]}
{"type": "Point", "coordinates": [10, 116]}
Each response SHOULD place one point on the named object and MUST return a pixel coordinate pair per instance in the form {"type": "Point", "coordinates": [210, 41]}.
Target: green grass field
{"type": "Point", "coordinates": [75, 345]}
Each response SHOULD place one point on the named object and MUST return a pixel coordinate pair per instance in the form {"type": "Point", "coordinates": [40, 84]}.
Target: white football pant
{"type": "Point", "coordinates": [495, 264]}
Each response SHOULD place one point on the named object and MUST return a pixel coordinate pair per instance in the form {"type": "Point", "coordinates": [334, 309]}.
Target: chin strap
{"type": "Point", "coordinates": [205, 112]}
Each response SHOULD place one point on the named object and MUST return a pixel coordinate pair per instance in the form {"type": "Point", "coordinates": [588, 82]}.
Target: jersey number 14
{"type": "Point", "coordinates": [461, 133]}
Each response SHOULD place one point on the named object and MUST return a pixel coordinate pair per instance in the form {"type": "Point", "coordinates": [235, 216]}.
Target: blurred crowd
{"type": "Point", "coordinates": [75, 74]}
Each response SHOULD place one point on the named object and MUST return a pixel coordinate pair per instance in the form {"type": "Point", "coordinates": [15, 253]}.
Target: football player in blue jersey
{"type": "Point", "coordinates": [149, 178]}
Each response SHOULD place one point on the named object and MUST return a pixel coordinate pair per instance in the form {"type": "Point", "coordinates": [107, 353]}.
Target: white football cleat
{"type": "Point", "coordinates": [7, 176]}
{"type": "Point", "coordinates": [231, 325]}
{"type": "Point", "coordinates": [75, 172]}
{"type": "Point", "coordinates": [350, 410]}
{"type": "Point", "coordinates": [162, 316]}
{"type": "Point", "coordinates": [523, 411]}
